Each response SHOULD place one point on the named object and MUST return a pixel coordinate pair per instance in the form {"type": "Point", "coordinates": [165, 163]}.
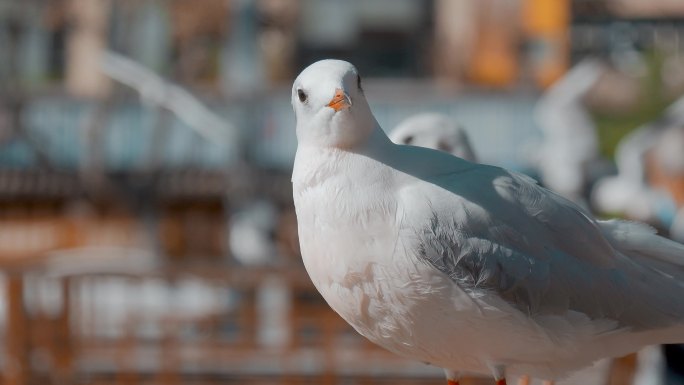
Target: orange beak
{"type": "Point", "coordinates": [340, 101]}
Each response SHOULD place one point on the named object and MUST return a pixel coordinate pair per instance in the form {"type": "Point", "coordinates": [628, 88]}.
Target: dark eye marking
{"type": "Point", "coordinates": [301, 95]}
{"type": "Point", "coordinates": [408, 139]}
{"type": "Point", "coordinates": [443, 146]}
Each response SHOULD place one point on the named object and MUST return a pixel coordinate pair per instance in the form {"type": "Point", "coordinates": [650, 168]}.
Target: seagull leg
{"type": "Point", "coordinates": [524, 380]}
{"type": "Point", "coordinates": [499, 372]}
{"type": "Point", "coordinates": [452, 377]}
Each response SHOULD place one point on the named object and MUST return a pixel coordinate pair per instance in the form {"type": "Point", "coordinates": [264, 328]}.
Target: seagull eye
{"type": "Point", "coordinates": [443, 146]}
{"type": "Point", "coordinates": [408, 139]}
{"type": "Point", "coordinates": [301, 95]}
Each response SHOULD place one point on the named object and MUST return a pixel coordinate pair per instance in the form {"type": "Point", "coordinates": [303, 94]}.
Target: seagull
{"type": "Point", "coordinates": [251, 232]}
{"type": "Point", "coordinates": [628, 192]}
{"type": "Point", "coordinates": [434, 130]}
{"type": "Point", "coordinates": [570, 142]}
{"type": "Point", "coordinates": [468, 267]}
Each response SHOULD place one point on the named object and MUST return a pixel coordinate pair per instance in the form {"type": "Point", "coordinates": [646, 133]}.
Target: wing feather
{"type": "Point", "coordinates": [539, 252]}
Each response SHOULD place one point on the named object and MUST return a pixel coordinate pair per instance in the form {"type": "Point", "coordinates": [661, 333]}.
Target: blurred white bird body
{"type": "Point", "coordinates": [628, 192]}
{"type": "Point", "coordinates": [250, 230]}
{"type": "Point", "coordinates": [677, 228]}
{"type": "Point", "coordinates": [570, 141]}
{"type": "Point", "coordinates": [468, 267]}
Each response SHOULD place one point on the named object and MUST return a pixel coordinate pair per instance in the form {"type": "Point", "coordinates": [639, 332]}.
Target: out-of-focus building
{"type": "Point", "coordinates": [642, 9]}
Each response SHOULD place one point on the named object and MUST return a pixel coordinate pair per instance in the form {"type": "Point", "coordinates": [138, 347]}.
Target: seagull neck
{"type": "Point", "coordinates": [377, 143]}
{"type": "Point", "coordinates": [418, 161]}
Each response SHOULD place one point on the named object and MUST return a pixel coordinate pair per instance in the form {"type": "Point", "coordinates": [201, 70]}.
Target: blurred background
{"type": "Point", "coordinates": [147, 234]}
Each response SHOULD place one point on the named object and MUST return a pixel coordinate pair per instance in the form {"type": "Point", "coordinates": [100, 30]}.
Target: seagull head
{"type": "Point", "coordinates": [330, 107]}
{"type": "Point", "coordinates": [434, 130]}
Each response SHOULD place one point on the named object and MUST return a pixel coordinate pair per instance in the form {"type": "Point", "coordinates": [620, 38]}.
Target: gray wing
{"type": "Point", "coordinates": [541, 254]}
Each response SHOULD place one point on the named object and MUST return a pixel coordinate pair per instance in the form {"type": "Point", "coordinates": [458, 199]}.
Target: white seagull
{"type": "Point", "coordinates": [570, 141]}
{"type": "Point", "coordinates": [465, 266]}
{"type": "Point", "coordinates": [434, 130]}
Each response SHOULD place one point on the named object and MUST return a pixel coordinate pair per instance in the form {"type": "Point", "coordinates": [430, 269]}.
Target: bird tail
{"type": "Point", "coordinates": [639, 240]}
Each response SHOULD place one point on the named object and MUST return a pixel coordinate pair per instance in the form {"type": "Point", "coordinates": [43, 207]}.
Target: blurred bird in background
{"type": "Point", "coordinates": [570, 141]}
{"type": "Point", "coordinates": [436, 131]}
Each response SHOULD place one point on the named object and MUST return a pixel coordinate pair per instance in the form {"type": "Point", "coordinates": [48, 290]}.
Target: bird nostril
{"type": "Point", "coordinates": [340, 101]}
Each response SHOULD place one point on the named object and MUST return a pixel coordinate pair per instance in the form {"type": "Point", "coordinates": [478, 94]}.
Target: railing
{"type": "Point", "coordinates": [178, 324]}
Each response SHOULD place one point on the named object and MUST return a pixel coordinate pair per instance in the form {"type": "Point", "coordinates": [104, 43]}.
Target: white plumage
{"type": "Point", "coordinates": [629, 192]}
{"type": "Point", "coordinates": [434, 130]}
{"type": "Point", "coordinates": [251, 234]}
{"type": "Point", "coordinates": [466, 266]}
{"type": "Point", "coordinates": [570, 141]}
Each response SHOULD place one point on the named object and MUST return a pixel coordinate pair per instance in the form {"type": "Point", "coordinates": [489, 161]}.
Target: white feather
{"type": "Point", "coordinates": [436, 131]}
